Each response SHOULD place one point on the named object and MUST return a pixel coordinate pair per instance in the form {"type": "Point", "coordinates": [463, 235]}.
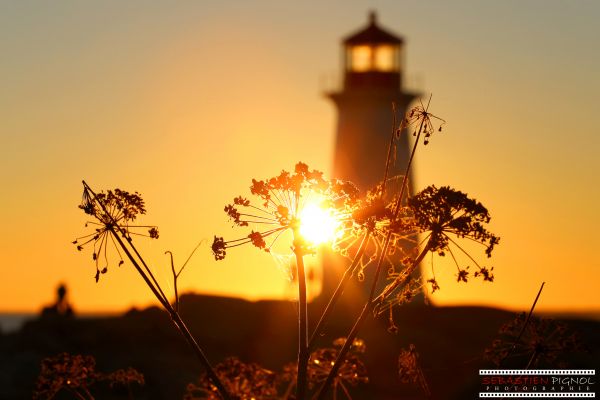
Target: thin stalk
{"type": "Point", "coordinates": [175, 276]}
{"type": "Point", "coordinates": [114, 224]}
{"type": "Point", "coordinates": [532, 360]}
{"type": "Point", "coordinates": [371, 302]}
{"type": "Point", "coordinates": [391, 147]}
{"type": "Point", "coordinates": [514, 346]}
{"type": "Point", "coordinates": [212, 375]}
{"type": "Point", "coordinates": [288, 390]}
{"type": "Point", "coordinates": [175, 317]}
{"type": "Point", "coordinates": [339, 290]}
{"type": "Point", "coordinates": [368, 308]}
{"type": "Point", "coordinates": [402, 279]}
{"type": "Point", "coordinates": [350, 270]}
{"type": "Point", "coordinates": [87, 392]}
{"type": "Point", "coordinates": [78, 395]}
{"type": "Point", "coordinates": [148, 270]}
{"type": "Point", "coordinates": [135, 263]}
{"type": "Point", "coordinates": [303, 353]}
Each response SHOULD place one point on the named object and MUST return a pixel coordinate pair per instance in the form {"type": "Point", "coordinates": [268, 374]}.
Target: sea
{"type": "Point", "coordinates": [12, 322]}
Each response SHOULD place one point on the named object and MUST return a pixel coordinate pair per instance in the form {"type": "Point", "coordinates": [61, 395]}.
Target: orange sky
{"type": "Point", "coordinates": [187, 103]}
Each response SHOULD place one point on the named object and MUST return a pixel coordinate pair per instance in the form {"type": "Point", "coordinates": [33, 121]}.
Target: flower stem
{"type": "Point", "coordinates": [77, 394]}
{"type": "Point", "coordinates": [516, 342]}
{"type": "Point", "coordinates": [303, 353]}
{"type": "Point", "coordinates": [176, 318]}
{"type": "Point", "coordinates": [87, 392]}
{"type": "Point", "coordinates": [339, 290]}
{"type": "Point", "coordinates": [368, 308]}
{"type": "Point", "coordinates": [350, 270]}
{"type": "Point", "coordinates": [532, 360]}
{"type": "Point", "coordinates": [158, 293]}
{"type": "Point", "coordinates": [371, 301]}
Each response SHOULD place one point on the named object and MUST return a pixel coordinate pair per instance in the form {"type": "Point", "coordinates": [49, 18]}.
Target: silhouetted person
{"type": "Point", "coordinates": [61, 308]}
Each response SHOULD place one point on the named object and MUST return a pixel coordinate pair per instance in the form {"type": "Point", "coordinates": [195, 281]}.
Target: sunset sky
{"type": "Point", "coordinates": [186, 102]}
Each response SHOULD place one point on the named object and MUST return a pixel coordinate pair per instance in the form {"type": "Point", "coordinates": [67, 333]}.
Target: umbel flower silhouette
{"type": "Point", "coordinates": [409, 369]}
{"type": "Point", "coordinates": [116, 209]}
{"type": "Point", "coordinates": [77, 374]}
{"type": "Point", "coordinates": [455, 214]}
{"type": "Point", "coordinates": [283, 200]}
{"type": "Point", "coordinates": [444, 216]}
{"type": "Point", "coordinates": [371, 222]}
{"type": "Point", "coordinates": [420, 116]}
{"type": "Point", "coordinates": [382, 229]}
{"type": "Point", "coordinates": [379, 220]}
{"type": "Point", "coordinates": [244, 381]}
{"type": "Point", "coordinates": [351, 374]}
{"type": "Point", "coordinates": [536, 341]}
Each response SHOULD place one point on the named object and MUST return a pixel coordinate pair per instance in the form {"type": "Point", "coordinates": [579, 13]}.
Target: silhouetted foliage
{"type": "Point", "coordinates": [113, 210]}
{"type": "Point", "coordinates": [243, 381]}
{"type": "Point", "coordinates": [380, 228]}
{"type": "Point", "coordinates": [542, 343]}
{"type": "Point", "coordinates": [77, 374]}
{"type": "Point", "coordinates": [409, 368]}
{"type": "Point", "coordinates": [282, 198]}
{"type": "Point", "coordinates": [445, 211]}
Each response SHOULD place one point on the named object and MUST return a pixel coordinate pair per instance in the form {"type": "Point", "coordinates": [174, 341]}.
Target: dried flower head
{"type": "Point", "coordinates": [113, 211]}
{"type": "Point", "coordinates": [283, 200]}
{"type": "Point", "coordinates": [77, 374]}
{"type": "Point", "coordinates": [446, 214]}
{"type": "Point", "coordinates": [442, 215]}
{"type": "Point", "coordinates": [409, 368]}
{"type": "Point", "coordinates": [65, 371]}
{"type": "Point", "coordinates": [383, 215]}
{"type": "Point", "coordinates": [350, 374]}
{"type": "Point", "coordinates": [124, 378]}
{"type": "Point", "coordinates": [421, 120]}
{"type": "Point", "coordinates": [434, 284]}
{"type": "Point", "coordinates": [542, 343]}
{"type": "Point", "coordinates": [243, 382]}
{"type": "Point", "coordinates": [373, 218]}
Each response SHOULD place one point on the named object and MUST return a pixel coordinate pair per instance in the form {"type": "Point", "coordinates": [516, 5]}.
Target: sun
{"type": "Point", "coordinates": [318, 224]}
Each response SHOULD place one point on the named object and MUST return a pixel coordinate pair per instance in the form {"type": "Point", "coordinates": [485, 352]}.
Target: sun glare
{"type": "Point", "coordinates": [317, 224]}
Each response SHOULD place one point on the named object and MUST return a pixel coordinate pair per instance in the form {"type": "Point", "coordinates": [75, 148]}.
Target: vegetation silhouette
{"type": "Point", "coordinates": [540, 342]}
{"type": "Point", "coordinates": [449, 341]}
{"type": "Point", "coordinates": [77, 374]}
{"type": "Point", "coordinates": [113, 212]}
{"type": "Point", "coordinates": [439, 213]}
{"type": "Point", "coordinates": [374, 227]}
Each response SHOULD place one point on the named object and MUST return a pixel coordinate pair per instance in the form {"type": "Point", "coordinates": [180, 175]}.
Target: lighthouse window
{"type": "Point", "coordinates": [361, 58]}
{"type": "Point", "coordinates": [385, 58]}
{"type": "Point", "coordinates": [364, 58]}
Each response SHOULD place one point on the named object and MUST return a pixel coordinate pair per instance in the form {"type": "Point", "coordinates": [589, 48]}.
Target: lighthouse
{"type": "Point", "coordinates": [372, 81]}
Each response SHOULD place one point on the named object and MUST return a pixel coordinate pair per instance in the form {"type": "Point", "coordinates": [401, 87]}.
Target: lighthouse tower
{"type": "Point", "coordinates": [372, 62]}
{"type": "Point", "coordinates": [372, 81]}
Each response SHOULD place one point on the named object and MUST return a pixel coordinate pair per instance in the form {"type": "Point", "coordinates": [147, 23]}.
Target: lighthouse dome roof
{"type": "Point", "coordinates": [372, 34]}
